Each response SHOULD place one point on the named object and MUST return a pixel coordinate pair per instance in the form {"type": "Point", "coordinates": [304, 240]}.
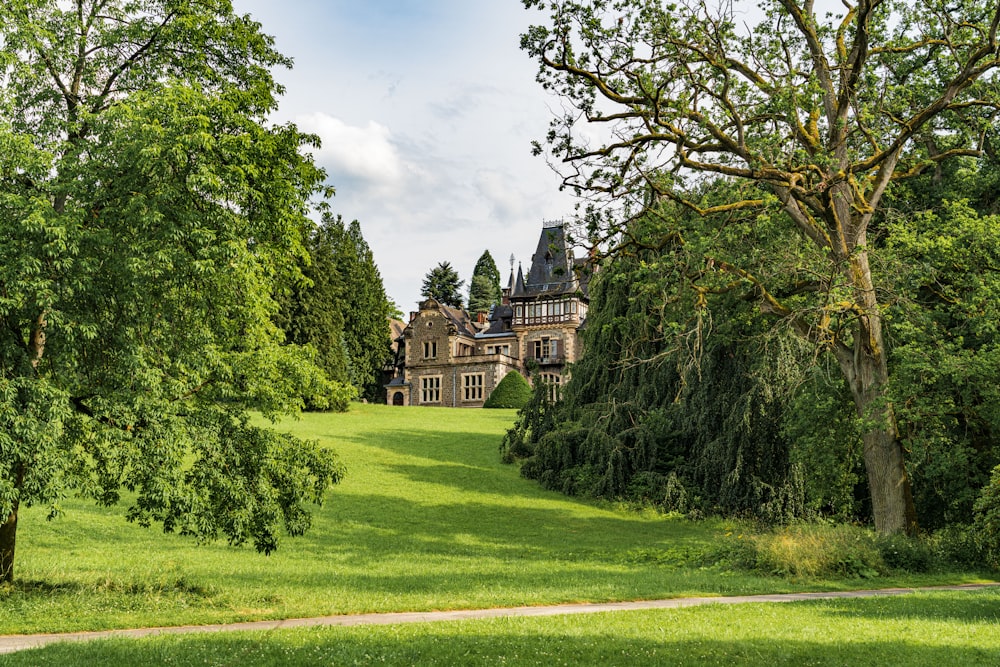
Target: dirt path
{"type": "Point", "coordinates": [11, 643]}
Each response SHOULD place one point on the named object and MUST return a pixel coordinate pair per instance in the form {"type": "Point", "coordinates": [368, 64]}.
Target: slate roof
{"type": "Point", "coordinates": [460, 319]}
{"type": "Point", "coordinates": [553, 267]}
{"type": "Point", "coordinates": [500, 319]}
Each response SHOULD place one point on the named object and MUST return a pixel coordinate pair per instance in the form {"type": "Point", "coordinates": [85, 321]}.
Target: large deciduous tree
{"type": "Point", "coordinates": [147, 211]}
{"type": "Point", "coordinates": [823, 111]}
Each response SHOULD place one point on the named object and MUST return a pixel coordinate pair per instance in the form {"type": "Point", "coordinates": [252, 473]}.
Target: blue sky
{"type": "Point", "coordinates": [427, 109]}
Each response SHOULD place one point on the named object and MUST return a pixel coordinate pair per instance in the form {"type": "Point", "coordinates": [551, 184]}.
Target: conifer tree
{"type": "Point", "coordinates": [312, 310]}
{"type": "Point", "coordinates": [442, 284]}
{"type": "Point", "coordinates": [343, 310]}
{"type": "Point", "coordinates": [484, 288]}
{"type": "Point", "coordinates": [366, 316]}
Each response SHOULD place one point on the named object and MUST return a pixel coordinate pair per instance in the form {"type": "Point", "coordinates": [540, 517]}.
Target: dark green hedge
{"type": "Point", "coordinates": [512, 392]}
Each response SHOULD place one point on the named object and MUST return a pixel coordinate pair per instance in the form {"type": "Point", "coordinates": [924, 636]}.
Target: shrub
{"type": "Point", "coordinates": [512, 392]}
{"type": "Point", "coordinates": [987, 519]}
{"type": "Point", "coordinates": [959, 545]}
{"type": "Point", "coordinates": [910, 554]}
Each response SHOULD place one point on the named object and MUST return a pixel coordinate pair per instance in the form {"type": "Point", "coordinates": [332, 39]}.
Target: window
{"type": "Point", "coordinates": [546, 348]}
{"type": "Point", "coordinates": [472, 387]}
{"type": "Point", "coordinates": [554, 383]}
{"type": "Point", "coordinates": [430, 349]}
{"type": "Point", "coordinates": [430, 389]}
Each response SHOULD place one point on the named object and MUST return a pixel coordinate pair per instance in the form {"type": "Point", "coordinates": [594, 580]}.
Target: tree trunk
{"type": "Point", "coordinates": [8, 537]}
{"type": "Point", "coordinates": [865, 367]}
{"type": "Point", "coordinates": [888, 483]}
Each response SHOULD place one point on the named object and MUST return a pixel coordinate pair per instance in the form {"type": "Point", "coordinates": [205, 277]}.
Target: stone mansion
{"type": "Point", "coordinates": [445, 357]}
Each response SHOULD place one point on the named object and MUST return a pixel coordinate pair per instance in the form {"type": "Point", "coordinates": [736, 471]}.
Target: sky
{"type": "Point", "coordinates": [426, 110]}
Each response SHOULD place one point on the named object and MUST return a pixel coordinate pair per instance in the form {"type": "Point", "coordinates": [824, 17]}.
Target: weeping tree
{"type": "Point", "coordinates": [658, 412]}
{"type": "Point", "coordinates": [822, 112]}
{"type": "Point", "coordinates": [147, 212]}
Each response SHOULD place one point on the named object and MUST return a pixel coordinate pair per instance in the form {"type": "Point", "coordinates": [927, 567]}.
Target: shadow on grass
{"type": "Point", "coordinates": [973, 607]}
{"type": "Point", "coordinates": [377, 525]}
{"type": "Point", "coordinates": [21, 589]}
{"type": "Point", "coordinates": [475, 449]}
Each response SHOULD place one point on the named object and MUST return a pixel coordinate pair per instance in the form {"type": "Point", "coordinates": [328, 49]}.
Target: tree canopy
{"type": "Point", "coordinates": [484, 288]}
{"type": "Point", "coordinates": [341, 309]}
{"type": "Point", "coordinates": [443, 284]}
{"type": "Point", "coordinates": [731, 416]}
{"type": "Point", "coordinates": [367, 311]}
{"type": "Point", "coordinates": [808, 115]}
{"type": "Point", "coordinates": [147, 212]}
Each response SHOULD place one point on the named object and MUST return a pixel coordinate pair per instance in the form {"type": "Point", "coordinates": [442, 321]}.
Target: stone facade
{"type": "Point", "coordinates": [445, 358]}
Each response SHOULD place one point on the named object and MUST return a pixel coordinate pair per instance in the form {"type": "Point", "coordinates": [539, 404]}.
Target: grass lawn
{"type": "Point", "coordinates": [933, 629]}
{"type": "Point", "coordinates": [427, 518]}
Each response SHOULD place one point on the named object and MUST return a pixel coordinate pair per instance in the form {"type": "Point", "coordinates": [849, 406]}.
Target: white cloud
{"type": "Point", "coordinates": [360, 154]}
{"type": "Point", "coordinates": [426, 121]}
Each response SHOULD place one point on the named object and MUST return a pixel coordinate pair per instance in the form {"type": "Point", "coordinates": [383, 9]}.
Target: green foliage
{"type": "Point", "coordinates": [246, 483]}
{"type": "Point", "coordinates": [368, 310]}
{"type": "Point", "coordinates": [341, 307]}
{"type": "Point", "coordinates": [484, 288]}
{"type": "Point", "coordinates": [656, 412]}
{"type": "Point", "coordinates": [513, 391]}
{"type": "Point", "coordinates": [680, 90]}
{"type": "Point", "coordinates": [442, 283]}
{"type": "Point", "coordinates": [312, 310]}
{"type": "Point", "coordinates": [534, 417]}
{"type": "Point", "coordinates": [748, 419]}
{"type": "Point", "coordinates": [844, 550]}
{"type": "Point", "coordinates": [987, 518]}
{"type": "Point", "coordinates": [959, 546]}
{"type": "Point", "coordinates": [147, 212]}
{"type": "Point", "coordinates": [824, 435]}
{"type": "Point", "coordinates": [905, 553]}
{"type": "Point", "coordinates": [946, 353]}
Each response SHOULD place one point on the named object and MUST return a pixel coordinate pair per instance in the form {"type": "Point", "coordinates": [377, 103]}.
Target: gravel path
{"type": "Point", "coordinates": [11, 643]}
